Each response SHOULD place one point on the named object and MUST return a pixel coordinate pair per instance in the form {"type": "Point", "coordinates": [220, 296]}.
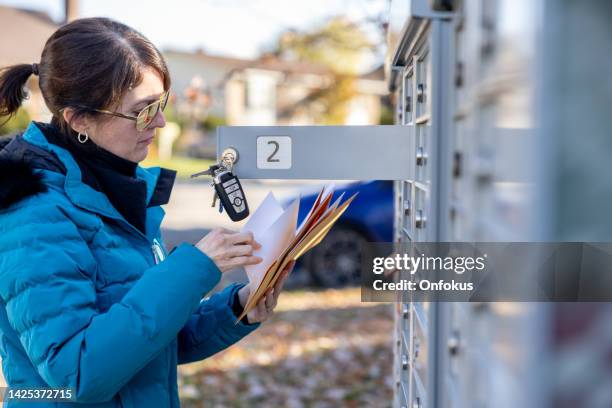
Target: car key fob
{"type": "Point", "coordinates": [231, 194]}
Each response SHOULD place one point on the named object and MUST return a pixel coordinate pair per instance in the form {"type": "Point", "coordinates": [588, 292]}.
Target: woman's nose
{"type": "Point", "coordinates": [159, 121]}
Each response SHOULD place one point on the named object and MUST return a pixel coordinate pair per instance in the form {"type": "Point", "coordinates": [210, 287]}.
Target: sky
{"type": "Point", "coordinates": [241, 28]}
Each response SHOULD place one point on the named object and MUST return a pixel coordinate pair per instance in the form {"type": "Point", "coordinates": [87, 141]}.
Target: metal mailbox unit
{"type": "Point", "coordinates": [485, 89]}
{"type": "Point", "coordinates": [420, 60]}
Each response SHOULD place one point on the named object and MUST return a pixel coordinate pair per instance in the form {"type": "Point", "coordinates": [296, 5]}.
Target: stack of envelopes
{"type": "Point", "coordinates": [282, 241]}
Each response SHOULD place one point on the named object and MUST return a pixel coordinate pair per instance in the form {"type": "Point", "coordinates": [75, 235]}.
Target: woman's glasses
{"type": "Point", "coordinates": [145, 116]}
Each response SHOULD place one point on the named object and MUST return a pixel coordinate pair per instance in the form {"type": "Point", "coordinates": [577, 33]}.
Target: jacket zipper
{"type": "Point", "coordinates": [158, 252]}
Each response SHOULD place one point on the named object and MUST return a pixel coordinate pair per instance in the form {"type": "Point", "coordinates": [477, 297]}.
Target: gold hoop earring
{"type": "Point", "coordinates": [83, 140]}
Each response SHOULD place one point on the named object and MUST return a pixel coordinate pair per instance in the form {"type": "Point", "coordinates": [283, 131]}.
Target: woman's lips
{"type": "Point", "coordinates": [147, 141]}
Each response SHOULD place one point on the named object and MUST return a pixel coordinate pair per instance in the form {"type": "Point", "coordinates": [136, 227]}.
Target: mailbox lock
{"type": "Point", "coordinates": [459, 74]}
{"type": "Point", "coordinates": [229, 157]}
{"type": "Point", "coordinates": [457, 164]}
{"type": "Point", "coordinates": [420, 93]}
{"type": "Point", "coordinates": [407, 207]}
{"type": "Point", "coordinates": [421, 157]}
{"type": "Point", "coordinates": [453, 212]}
{"type": "Point", "coordinates": [420, 219]}
{"type": "Point", "coordinates": [405, 310]}
{"type": "Point", "coordinates": [408, 103]}
{"type": "Point", "coordinates": [453, 344]}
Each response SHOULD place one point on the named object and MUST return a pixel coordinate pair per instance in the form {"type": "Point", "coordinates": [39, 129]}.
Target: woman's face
{"type": "Point", "coordinates": [119, 135]}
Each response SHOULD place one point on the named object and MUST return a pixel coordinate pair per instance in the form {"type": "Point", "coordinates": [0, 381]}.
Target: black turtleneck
{"type": "Point", "coordinates": [106, 172]}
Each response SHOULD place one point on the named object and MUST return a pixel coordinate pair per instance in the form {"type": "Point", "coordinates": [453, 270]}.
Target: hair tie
{"type": "Point", "coordinates": [35, 69]}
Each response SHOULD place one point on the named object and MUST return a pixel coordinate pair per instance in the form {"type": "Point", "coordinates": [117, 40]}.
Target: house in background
{"type": "Point", "coordinates": [365, 107]}
{"type": "Point", "coordinates": [198, 80]}
{"type": "Point", "coordinates": [270, 91]}
{"type": "Point", "coordinates": [266, 90]}
{"type": "Point", "coordinates": [24, 34]}
{"type": "Point", "coordinates": [262, 91]}
{"type": "Point", "coordinates": [284, 93]}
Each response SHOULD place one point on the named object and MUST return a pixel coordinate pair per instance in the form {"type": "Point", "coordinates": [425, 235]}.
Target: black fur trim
{"type": "Point", "coordinates": [18, 181]}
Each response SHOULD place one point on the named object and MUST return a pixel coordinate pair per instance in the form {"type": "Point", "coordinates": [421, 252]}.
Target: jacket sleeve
{"type": "Point", "coordinates": [212, 327]}
{"type": "Point", "coordinates": [46, 282]}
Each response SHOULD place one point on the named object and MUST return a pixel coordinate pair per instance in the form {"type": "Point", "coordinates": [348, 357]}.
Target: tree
{"type": "Point", "coordinates": [340, 45]}
{"type": "Point", "coordinates": [15, 123]}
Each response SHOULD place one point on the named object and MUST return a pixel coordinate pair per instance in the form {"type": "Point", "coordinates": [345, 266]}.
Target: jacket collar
{"type": "Point", "coordinates": [158, 181]}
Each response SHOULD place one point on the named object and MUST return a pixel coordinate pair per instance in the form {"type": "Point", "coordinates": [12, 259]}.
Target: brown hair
{"type": "Point", "coordinates": [87, 64]}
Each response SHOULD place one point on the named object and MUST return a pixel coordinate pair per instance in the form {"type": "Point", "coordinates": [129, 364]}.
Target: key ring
{"type": "Point", "coordinates": [229, 157]}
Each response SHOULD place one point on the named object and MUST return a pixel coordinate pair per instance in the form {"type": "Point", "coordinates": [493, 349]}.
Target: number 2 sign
{"type": "Point", "coordinates": [273, 152]}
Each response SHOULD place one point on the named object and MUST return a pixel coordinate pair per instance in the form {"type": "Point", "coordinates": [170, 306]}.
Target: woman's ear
{"type": "Point", "coordinates": [78, 123]}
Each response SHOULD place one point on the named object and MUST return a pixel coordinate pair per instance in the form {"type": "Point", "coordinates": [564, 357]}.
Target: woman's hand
{"type": "Point", "coordinates": [266, 305]}
{"type": "Point", "coordinates": [229, 249]}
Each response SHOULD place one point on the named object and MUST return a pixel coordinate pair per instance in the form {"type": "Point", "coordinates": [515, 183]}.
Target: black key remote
{"type": "Point", "coordinates": [230, 193]}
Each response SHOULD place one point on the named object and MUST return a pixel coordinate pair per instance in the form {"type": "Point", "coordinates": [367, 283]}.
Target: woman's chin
{"type": "Point", "coordinates": [140, 154]}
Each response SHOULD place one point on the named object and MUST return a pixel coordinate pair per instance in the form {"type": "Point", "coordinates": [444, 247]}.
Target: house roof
{"type": "Point", "coordinates": [203, 57]}
{"type": "Point", "coordinates": [266, 61]}
{"type": "Point", "coordinates": [24, 34]}
{"type": "Point", "coordinates": [273, 63]}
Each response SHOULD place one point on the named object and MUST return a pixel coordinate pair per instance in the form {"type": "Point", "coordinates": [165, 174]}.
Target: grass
{"type": "Point", "coordinates": [185, 166]}
{"type": "Point", "coordinates": [320, 348]}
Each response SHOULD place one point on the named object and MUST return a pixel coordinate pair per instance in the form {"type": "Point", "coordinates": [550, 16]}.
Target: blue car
{"type": "Point", "coordinates": [336, 261]}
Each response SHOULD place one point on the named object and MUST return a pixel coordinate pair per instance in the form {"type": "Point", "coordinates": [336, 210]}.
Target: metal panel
{"type": "Point", "coordinates": [340, 152]}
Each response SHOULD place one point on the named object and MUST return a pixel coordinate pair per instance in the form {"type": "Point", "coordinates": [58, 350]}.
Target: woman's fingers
{"type": "Point", "coordinates": [278, 287]}
{"type": "Point", "coordinates": [270, 300]}
{"type": "Point", "coordinates": [265, 307]}
{"type": "Point", "coordinates": [289, 267]}
{"type": "Point", "coordinates": [244, 261]}
{"type": "Point", "coordinates": [261, 310]}
{"type": "Point", "coordinates": [229, 249]}
{"type": "Point", "coordinates": [242, 238]}
{"type": "Point", "coordinates": [238, 261]}
{"type": "Point", "coordinates": [239, 250]}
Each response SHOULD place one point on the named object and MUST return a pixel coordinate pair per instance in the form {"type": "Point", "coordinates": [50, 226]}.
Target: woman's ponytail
{"type": "Point", "coordinates": [12, 82]}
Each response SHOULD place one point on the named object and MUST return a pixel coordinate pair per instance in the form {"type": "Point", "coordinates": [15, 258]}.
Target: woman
{"type": "Point", "coordinates": [88, 299]}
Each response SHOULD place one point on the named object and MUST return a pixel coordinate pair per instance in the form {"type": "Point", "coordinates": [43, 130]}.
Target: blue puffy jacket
{"type": "Point", "coordinates": [83, 304]}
